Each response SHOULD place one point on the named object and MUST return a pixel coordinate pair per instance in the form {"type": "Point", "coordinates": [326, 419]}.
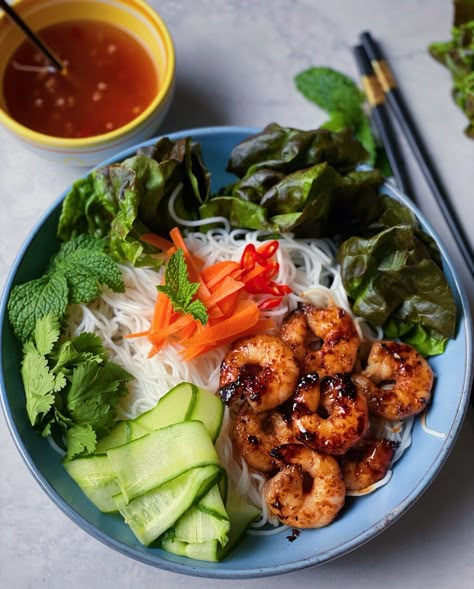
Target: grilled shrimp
{"type": "Point", "coordinates": [340, 342]}
{"type": "Point", "coordinates": [323, 340]}
{"type": "Point", "coordinates": [367, 463]}
{"type": "Point", "coordinates": [294, 332]}
{"type": "Point", "coordinates": [256, 434]}
{"type": "Point", "coordinates": [309, 491]}
{"type": "Point", "coordinates": [329, 415]}
{"type": "Point", "coordinates": [262, 368]}
{"type": "Point", "coordinates": [399, 380]}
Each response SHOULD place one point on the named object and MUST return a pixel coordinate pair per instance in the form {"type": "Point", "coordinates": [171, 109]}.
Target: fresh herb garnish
{"type": "Point", "coordinates": [340, 97]}
{"type": "Point", "coordinates": [75, 275]}
{"type": "Point", "coordinates": [71, 388]}
{"type": "Point", "coordinates": [180, 290]}
{"type": "Point", "coordinates": [458, 56]}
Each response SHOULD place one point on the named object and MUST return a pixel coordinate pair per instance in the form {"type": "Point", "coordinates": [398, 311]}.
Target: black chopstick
{"type": "Point", "coordinates": [381, 119]}
{"type": "Point", "coordinates": [407, 125]}
{"type": "Point", "coordinates": [33, 38]}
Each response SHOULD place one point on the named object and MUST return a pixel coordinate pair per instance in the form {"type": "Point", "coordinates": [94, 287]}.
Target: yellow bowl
{"type": "Point", "coordinates": [134, 16]}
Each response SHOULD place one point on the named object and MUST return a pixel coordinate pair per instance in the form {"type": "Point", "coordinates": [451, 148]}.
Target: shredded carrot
{"type": "Point", "coordinates": [245, 315]}
{"type": "Point", "coordinates": [162, 312]}
{"type": "Point", "coordinates": [160, 334]}
{"type": "Point", "coordinates": [213, 275]}
{"type": "Point", "coordinates": [137, 334]}
{"type": "Point", "coordinates": [226, 289]}
{"type": "Point", "coordinates": [159, 242]}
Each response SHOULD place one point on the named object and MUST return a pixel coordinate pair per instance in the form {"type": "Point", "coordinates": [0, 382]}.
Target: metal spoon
{"type": "Point", "coordinates": [33, 38]}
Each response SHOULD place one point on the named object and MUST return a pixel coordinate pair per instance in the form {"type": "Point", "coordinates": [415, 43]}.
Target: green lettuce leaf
{"type": "Point", "coordinates": [125, 200]}
{"type": "Point", "coordinates": [393, 281]}
{"type": "Point", "coordinates": [286, 150]}
{"type": "Point", "coordinates": [457, 55]}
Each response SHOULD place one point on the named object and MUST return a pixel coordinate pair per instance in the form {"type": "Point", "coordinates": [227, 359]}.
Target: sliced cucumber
{"type": "Point", "coordinates": [120, 434]}
{"type": "Point", "coordinates": [207, 520]}
{"type": "Point", "coordinates": [155, 512]}
{"type": "Point", "coordinates": [208, 551]}
{"type": "Point", "coordinates": [184, 402]}
{"type": "Point", "coordinates": [97, 479]}
{"type": "Point", "coordinates": [209, 409]}
{"type": "Point", "coordinates": [212, 503]}
{"type": "Point", "coordinates": [137, 430]}
{"type": "Point", "coordinates": [158, 457]}
{"type": "Point", "coordinates": [241, 514]}
{"type": "Point", "coordinates": [172, 408]}
{"type": "Point", "coordinates": [195, 526]}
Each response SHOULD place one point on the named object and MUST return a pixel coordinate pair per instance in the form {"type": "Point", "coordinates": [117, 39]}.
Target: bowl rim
{"type": "Point", "coordinates": [293, 565]}
{"type": "Point", "coordinates": [164, 89]}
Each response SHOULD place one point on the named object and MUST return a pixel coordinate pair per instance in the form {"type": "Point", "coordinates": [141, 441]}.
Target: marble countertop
{"type": "Point", "coordinates": [235, 65]}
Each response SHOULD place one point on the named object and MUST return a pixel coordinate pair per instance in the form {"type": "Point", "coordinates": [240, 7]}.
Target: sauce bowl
{"type": "Point", "coordinates": [133, 16]}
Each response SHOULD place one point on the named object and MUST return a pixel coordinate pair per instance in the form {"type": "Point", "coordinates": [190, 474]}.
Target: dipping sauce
{"type": "Point", "coordinates": [110, 80]}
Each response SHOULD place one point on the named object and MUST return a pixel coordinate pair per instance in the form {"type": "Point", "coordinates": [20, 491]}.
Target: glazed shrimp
{"type": "Point", "coordinates": [329, 415]}
{"type": "Point", "coordinates": [367, 463]}
{"type": "Point", "coordinates": [334, 327]}
{"type": "Point", "coordinates": [309, 491]}
{"type": "Point", "coordinates": [399, 380]}
{"type": "Point", "coordinates": [263, 369]}
{"type": "Point", "coordinates": [256, 434]}
{"type": "Point", "coordinates": [323, 340]}
{"type": "Point", "coordinates": [294, 332]}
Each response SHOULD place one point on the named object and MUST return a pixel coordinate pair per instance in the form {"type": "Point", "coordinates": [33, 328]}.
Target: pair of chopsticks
{"type": "Point", "coordinates": [381, 88]}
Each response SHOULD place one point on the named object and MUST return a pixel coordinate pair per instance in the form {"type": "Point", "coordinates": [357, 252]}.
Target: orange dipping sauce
{"type": "Point", "coordinates": [110, 80]}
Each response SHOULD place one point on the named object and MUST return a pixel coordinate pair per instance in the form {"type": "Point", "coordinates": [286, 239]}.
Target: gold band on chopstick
{"type": "Point", "coordinates": [373, 90]}
{"type": "Point", "coordinates": [384, 75]}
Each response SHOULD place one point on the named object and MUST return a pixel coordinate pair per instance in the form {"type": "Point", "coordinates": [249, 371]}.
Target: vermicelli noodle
{"type": "Point", "coordinates": [307, 266]}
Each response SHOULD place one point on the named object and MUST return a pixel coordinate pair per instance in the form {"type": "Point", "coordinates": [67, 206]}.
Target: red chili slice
{"type": "Point", "coordinates": [269, 304]}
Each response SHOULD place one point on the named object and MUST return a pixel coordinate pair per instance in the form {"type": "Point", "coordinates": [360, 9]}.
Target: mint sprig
{"type": "Point", "coordinates": [180, 290]}
{"type": "Point", "coordinates": [76, 274]}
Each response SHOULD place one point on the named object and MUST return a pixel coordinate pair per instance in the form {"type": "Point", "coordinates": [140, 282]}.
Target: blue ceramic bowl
{"type": "Point", "coordinates": [364, 517]}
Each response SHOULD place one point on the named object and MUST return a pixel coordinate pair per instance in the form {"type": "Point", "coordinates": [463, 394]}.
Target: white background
{"type": "Point", "coordinates": [235, 66]}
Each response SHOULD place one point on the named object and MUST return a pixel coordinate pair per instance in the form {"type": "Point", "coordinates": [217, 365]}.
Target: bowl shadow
{"type": "Point", "coordinates": [191, 108]}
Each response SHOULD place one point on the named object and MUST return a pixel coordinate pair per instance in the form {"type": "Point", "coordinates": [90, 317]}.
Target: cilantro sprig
{"type": "Point", "coordinates": [180, 290]}
{"type": "Point", "coordinates": [75, 275]}
{"type": "Point", "coordinates": [71, 388]}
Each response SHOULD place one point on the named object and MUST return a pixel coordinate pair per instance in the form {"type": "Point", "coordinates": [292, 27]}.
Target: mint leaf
{"type": "Point", "coordinates": [332, 91]}
{"type": "Point", "coordinates": [340, 97]}
{"type": "Point", "coordinates": [30, 301]}
{"type": "Point", "coordinates": [198, 310]}
{"type": "Point", "coordinates": [80, 439]}
{"type": "Point", "coordinates": [363, 133]}
{"type": "Point", "coordinates": [180, 290]}
{"type": "Point", "coordinates": [86, 267]}
{"type": "Point", "coordinates": [76, 275]}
